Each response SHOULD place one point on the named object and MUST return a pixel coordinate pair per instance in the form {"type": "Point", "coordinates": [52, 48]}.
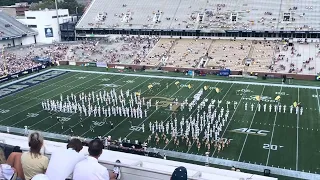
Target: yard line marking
{"type": "Point", "coordinates": [234, 112]}
{"type": "Point", "coordinates": [318, 101]}
{"type": "Point", "coordinates": [147, 117]}
{"type": "Point", "coordinates": [52, 97]}
{"type": "Point", "coordinates": [37, 89]}
{"type": "Point", "coordinates": [38, 104]}
{"type": "Point", "coordinates": [88, 116]}
{"type": "Point", "coordinates": [274, 123]}
{"type": "Point", "coordinates": [250, 127]}
{"type": "Point", "coordinates": [298, 117]}
{"type": "Point", "coordinates": [195, 79]}
{"type": "Point", "coordinates": [204, 128]}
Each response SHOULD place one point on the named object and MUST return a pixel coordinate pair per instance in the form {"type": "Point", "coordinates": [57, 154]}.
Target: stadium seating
{"type": "Point", "coordinates": [11, 28]}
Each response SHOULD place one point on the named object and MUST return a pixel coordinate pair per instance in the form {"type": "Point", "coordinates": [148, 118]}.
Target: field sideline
{"type": "Point", "coordinates": [275, 139]}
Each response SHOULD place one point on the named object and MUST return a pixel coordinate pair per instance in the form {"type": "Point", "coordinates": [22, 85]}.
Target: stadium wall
{"type": "Point", "coordinates": [203, 70]}
{"type": "Point", "coordinates": [99, 32]}
{"type": "Point", "coordinates": [27, 40]}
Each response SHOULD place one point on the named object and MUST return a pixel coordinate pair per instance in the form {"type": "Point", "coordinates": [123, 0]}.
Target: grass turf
{"type": "Point", "coordinates": [292, 138]}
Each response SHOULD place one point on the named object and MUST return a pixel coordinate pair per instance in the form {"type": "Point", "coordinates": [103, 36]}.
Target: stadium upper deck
{"type": "Point", "coordinates": [204, 15]}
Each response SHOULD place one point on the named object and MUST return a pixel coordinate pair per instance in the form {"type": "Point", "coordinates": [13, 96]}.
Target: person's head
{"type": "Point", "coordinates": [35, 143]}
{"type": "Point", "coordinates": [95, 148]}
{"type": "Point", "coordinates": [180, 173]}
{"type": "Point", "coordinates": [2, 157]}
{"type": "Point", "coordinates": [75, 144]}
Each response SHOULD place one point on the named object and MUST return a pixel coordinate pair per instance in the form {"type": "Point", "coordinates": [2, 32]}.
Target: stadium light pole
{"type": "Point", "coordinates": [59, 33]}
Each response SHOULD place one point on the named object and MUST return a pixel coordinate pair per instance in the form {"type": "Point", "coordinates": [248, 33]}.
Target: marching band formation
{"type": "Point", "coordinates": [203, 126]}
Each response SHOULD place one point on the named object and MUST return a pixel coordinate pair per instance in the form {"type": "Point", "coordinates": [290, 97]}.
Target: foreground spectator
{"type": "Point", "coordinates": [89, 168]}
{"type": "Point", "coordinates": [6, 171]}
{"type": "Point", "coordinates": [57, 170]}
{"type": "Point", "coordinates": [180, 173]}
{"type": "Point", "coordinates": [33, 162]}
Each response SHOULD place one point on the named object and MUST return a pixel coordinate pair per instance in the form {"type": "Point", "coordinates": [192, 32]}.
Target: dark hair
{"type": "Point", "coordinates": [95, 147]}
{"type": "Point", "coordinates": [35, 144]}
{"type": "Point", "coordinates": [75, 144]}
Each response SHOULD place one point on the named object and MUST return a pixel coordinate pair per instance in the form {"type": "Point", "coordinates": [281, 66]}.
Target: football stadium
{"type": "Point", "coordinates": [226, 84]}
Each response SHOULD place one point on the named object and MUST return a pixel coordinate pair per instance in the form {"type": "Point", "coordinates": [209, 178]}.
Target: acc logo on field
{"type": "Point", "coordinates": [251, 131]}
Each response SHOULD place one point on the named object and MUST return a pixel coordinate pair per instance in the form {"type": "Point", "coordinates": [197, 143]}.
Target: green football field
{"type": "Point", "coordinates": [276, 139]}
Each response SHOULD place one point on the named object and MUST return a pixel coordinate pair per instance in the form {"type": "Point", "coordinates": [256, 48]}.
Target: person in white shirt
{"type": "Point", "coordinates": [63, 161]}
{"type": "Point", "coordinates": [90, 169]}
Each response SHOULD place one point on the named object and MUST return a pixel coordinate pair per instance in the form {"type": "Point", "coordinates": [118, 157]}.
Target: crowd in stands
{"type": "Point", "coordinates": [267, 56]}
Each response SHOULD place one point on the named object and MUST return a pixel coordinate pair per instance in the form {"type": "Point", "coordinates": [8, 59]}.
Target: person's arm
{"type": "Point", "coordinates": [45, 164]}
{"type": "Point", "coordinates": [112, 175]}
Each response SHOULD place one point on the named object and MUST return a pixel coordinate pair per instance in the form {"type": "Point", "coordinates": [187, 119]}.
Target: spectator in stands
{"type": "Point", "coordinates": [33, 162]}
{"type": "Point", "coordinates": [57, 169]}
{"type": "Point", "coordinates": [180, 173]}
{"type": "Point", "coordinates": [6, 171]}
{"type": "Point", "coordinates": [90, 169]}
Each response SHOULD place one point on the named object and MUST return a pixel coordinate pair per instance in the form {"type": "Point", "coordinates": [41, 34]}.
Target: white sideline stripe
{"type": "Point", "coordinates": [298, 118]}
{"type": "Point", "coordinates": [318, 101]}
{"type": "Point", "coordinates": [110, 116]}
{"type": "Point", "coordinates": [274, 124]}
{"type": "Point", "coordinates": [255, 112]}
{"type": "Point", "coordinates": [234, 112]}
{"type": "Point", "coordinates": [195, 79]}
{"type": "Point", "coordinates": [241, 165]}
{"type": "Point", "coordinates": [204, 128]}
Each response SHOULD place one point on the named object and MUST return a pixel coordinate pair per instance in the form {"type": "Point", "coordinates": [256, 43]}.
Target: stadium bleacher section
{"type": "Point", "coordinates": [205, 15]}
{"type": "Point", "coordinates": [11, 28]}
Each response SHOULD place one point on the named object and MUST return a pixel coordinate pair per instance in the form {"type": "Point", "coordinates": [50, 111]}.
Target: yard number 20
{"type": "Point", "coordinates": [272, 147]}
